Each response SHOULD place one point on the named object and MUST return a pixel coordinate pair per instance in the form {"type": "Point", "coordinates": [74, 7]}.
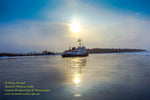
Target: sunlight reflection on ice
{"type": "Point", "coordinates": [77, 79]}
{"type": "Point", "coordinates": [76, 66]}
{"type": "Point", "coordinates": [77, 95]}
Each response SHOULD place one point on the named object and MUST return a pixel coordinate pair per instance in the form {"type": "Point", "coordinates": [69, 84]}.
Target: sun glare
{"type": "Point", "coordinates": [76, 79]}
{"type": "Point", "coordinates": [75, 27]}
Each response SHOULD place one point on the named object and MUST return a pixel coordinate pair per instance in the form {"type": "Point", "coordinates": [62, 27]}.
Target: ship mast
{"type": "Point", "coordinates": [79, 40]}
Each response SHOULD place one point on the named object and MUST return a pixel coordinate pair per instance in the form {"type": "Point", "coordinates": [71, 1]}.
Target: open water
{"type": "Point", "coordinates": [114, 76]}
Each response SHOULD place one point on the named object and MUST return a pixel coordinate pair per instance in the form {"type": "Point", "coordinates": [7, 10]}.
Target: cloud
{"type": "Point", "coordinates": [101, 27]}
{"type": "Point", "coordinates": [34, 36]}
{"type": "Point", "coordinates": [130, 33]}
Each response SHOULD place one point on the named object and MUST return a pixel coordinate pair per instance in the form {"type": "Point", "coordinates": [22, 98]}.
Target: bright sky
{"type": "Point", "coordinates": [35, 25]}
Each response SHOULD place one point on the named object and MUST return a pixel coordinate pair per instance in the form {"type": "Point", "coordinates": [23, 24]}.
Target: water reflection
{"type": "Point", "coordinates": [76, 65]}
{"type": "Point", "coordinates": [77, 79]}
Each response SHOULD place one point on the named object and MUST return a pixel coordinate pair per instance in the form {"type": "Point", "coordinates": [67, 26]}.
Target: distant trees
{"type": "Point", "coordinates": [45, 52]}
{"type": "Point", "coordinates": [113, 50]}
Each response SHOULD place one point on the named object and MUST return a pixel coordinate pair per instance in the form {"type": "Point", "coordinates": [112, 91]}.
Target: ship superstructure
{"type": "Point", "coordinates": [80, 51]}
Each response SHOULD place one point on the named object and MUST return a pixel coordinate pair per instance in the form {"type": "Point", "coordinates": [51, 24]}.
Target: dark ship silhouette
{"type": "Point", "coordinates": [80, 51]}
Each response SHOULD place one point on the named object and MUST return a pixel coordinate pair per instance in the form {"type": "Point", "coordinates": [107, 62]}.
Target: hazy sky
{"type": "Point", "coordinates": [35, 25]}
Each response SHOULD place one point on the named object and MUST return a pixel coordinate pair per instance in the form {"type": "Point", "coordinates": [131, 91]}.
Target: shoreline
{"type": "Point", "coordinates": [7, 57]}
{"type": "Point", "coordinates": [90, 51]}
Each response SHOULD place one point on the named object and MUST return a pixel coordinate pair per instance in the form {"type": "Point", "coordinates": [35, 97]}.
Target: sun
{"type": "Point", "coordinates": [75, 27]}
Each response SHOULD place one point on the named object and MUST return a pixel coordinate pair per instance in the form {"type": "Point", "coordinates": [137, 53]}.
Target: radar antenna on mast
{"type": "Point", "coordinates": [79, 40]}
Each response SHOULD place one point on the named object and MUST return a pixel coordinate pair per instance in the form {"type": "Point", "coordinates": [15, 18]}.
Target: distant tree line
{"type": "Point", "coordinates": [93, 50]}
{"type": "Point", "coordinates": [45, 52]}
{"type": "Point", "coordinates": [113, 50]}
